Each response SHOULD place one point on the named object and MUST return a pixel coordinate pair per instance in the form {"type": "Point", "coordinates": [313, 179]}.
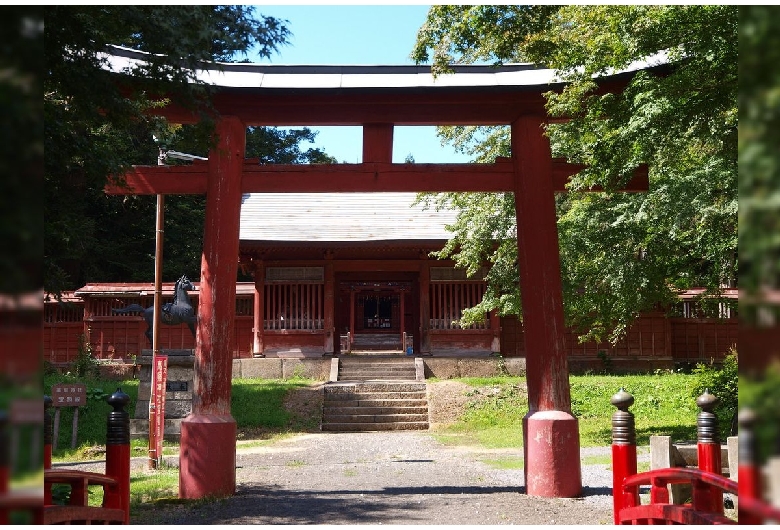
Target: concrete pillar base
{"type": "Point", "coordinates": [552, 454]}
{"type": "Point", "coordinates": [207, 463]}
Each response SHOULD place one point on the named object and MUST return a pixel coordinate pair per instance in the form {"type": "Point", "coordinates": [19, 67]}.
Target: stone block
{"type": "Point", "coordinates": [442, 368]}
{"type": "Point", "coordinates": [318, 369]}
{"type": "Point", "coordinates": [263, 368]}
{"type": "Point", "coordinates": [515, 366]}
{"type": "Point", "coordinates": [732, 445]}
{"type": "Point", "coordinates": [478, 367]}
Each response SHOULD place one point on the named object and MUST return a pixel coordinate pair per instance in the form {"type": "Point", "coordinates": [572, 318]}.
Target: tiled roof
{"type": "Point", "coordinates": [340, 217]}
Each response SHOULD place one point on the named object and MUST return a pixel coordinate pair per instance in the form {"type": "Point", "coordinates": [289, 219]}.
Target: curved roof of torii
{"type": "Point", "coordinates": [289, 95]}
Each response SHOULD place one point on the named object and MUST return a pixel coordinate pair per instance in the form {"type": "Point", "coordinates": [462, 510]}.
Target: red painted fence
{"type": "Point", "coordinates": [707, 484]}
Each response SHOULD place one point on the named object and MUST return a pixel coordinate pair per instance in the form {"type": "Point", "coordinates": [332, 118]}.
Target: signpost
{"type": "Point", "coordinates": [67, 395]}
{"type": "Point", "coordinates": [160, 378]}
{"type": "Point", "coordinates": [156, 414]}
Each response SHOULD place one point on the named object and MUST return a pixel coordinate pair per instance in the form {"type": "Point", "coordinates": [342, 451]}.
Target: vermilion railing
{"type": "Point", "coordinates": [115, 481]}
{"type": "Point", "coordinates": [707, 484]}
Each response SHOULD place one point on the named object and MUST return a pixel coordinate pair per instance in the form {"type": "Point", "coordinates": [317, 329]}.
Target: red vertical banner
{"type": "Point", "coordinates": [160, 382]}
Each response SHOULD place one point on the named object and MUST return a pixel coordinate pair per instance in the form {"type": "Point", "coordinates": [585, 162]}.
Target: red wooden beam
{"type": "Point", "coordinates": [367, 177]}
{"type": "Point", "coordinates": [378, 142]}
{"type": "Point", "coordinates": [345, 107]}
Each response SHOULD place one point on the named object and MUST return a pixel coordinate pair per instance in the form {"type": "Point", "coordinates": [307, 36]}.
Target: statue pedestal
{"type": "Point", "coordinates": [178, 395]}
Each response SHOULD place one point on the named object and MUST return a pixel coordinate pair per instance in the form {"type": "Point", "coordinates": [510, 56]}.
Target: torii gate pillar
{"type": "Point", "coordinates": [551, 444]}
{"type": "Point", "coordinates": [208, 434]}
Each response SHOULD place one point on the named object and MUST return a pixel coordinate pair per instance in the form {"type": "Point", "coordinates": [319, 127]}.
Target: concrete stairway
{"type": "Point", "coordinates": [376, 395]}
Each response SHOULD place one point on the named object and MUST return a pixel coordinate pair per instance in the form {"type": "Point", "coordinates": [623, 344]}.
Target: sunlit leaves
{"type": "Point", "coordinates": [621, 253]}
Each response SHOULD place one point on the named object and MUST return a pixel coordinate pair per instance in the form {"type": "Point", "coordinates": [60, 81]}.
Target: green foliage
{"type": "Point", "coordinates": [621, 254]}
{"type": "Point", "coordinates": [721, 380]}
{"type": "Point", "coordinates": [663, 406]}
{"type": "Point", "coordinates": [84, 365]}
{"type": "Point", "coordinates": [759, 136]}
{"type": "Point", "coordinates": [761, 394]}
{"type": "Point", "coordinates": [21, 151]}
{"type": "Point", "coordinates": [95, 128]}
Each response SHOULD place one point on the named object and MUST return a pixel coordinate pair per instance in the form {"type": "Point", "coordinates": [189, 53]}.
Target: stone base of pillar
{"type": "Point", "coordinates": [207, 461]}
{"type": "Point", "coordinates": [552, 454]}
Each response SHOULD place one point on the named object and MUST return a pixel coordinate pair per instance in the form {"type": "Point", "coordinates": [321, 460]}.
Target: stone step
{"type": "Point", "coordinates": [361, 388]}
{"type": "Point", "coordinates": [377, 368]}
{"type": "Point", "coordinates": [376, 397]}
{"type": "Point", "coordinates": [368, 409]}
{"type": "Point", "coordinates": [375, 377]}
{"type": "Point", "coordinates": [376, 418]}
{"type": "Point", "coordinates": [375, 405]}
{"type": "Point", "coordinates": [367, 427]}
{"type": "Point", "coordinates": [389, 402]}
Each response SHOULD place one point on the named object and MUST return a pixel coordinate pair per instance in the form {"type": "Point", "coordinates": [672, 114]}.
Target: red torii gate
{"type": "Point", "coordinates": [376, 98]}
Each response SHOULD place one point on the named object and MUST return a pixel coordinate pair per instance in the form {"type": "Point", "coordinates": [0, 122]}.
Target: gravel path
{"type": "Point", "coordinates": [387, 478]}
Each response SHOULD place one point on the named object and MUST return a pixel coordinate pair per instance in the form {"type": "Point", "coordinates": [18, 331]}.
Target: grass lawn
{"type": "Point", "coordinates": [663, 406]}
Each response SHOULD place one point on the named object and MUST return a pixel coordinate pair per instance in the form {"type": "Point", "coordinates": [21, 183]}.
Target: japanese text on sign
{"type": "Point", "coordinates": [69, 395]}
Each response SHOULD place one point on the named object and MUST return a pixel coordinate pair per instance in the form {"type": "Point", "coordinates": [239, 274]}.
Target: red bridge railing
{"type": "Point", "coordinates": [115, 508]}
{"type": "Point", "coordinates": [707, 484]}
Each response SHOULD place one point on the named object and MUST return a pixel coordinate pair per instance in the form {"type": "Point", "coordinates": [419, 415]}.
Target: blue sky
{"type": "Point", "coordinates": [358, 35]}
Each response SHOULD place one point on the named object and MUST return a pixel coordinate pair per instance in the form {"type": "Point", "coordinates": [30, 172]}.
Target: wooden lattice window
{"type": "Point", "coordinates": [244, 306]}
{"type": "Point", "coordinates": [294, 306]}
{"type": "Point", "coordinates": [449, 299]}
{"type": "Point", "coordinates": [294, 274]}
{"type": "Point", "coordinates": [63, 312]}
{"type": "Point", "coordinates": [450, 274]}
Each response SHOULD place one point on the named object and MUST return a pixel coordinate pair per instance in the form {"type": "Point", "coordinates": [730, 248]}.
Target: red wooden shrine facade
{"type": "Point", "coordinates": [294, 315]}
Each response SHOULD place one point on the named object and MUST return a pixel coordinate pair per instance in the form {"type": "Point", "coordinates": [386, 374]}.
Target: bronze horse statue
{"type": "Point", "coordinates": [172, 314]}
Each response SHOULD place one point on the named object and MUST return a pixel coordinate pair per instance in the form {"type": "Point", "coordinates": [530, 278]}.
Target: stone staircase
{"type": "Point", "coordinates": [376, 394]}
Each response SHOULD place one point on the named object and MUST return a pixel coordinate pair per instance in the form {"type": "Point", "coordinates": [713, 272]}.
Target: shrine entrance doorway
{"type": "Point", "coordinates": [377, 316]}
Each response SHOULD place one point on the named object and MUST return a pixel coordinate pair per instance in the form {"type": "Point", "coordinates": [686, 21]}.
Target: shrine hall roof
{"type": "Point", "coordinates": [354, 217]}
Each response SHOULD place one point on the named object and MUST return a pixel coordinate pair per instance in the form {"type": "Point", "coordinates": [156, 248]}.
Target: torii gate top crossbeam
{"type": "Point", "coordinates": [358, 95]}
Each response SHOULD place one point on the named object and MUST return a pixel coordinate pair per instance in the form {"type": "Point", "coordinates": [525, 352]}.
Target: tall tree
{"type": "Point", "coordinates": [21, 149]}
{"type": "Point", "coordinates": [621, 253]}
{"type": "Point", "coordinates": [95, 128]}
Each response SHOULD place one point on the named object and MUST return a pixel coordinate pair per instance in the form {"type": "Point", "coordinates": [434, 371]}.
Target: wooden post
{"type": "Point", "coordinates": [425, 308]}
{"type": "Point", "coordinates": [550, 431]}
{"type": "Point", "coordinates": [749, 473]}
{"type": "Point", "coordinates": [495, 328]}
{"type": "Point", "coordinates": [208, 434]}
{"type": "Point", "coordinates": [351, 318]}
{"type": "Point", "coordinates": [708, 452]}
{"type": "Point", "coordinates": [623, 453]}
{"type": "Point", "coordinates": [47, 445]}
{"type": "Point", "coordinates": [154, 444]}
{"type": "Point", "coordinates": [5, 464]}
{"type": "Point", "coordinates": [329, 306]}
{"type": "Point", "coordinates": [402, 323]}
{"type": "Point", "coordinates": [118, 453]}
{"type": "Point", "coordinates": [378, 142]}
{"type": "Point", "coordinates": [258, 310]}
